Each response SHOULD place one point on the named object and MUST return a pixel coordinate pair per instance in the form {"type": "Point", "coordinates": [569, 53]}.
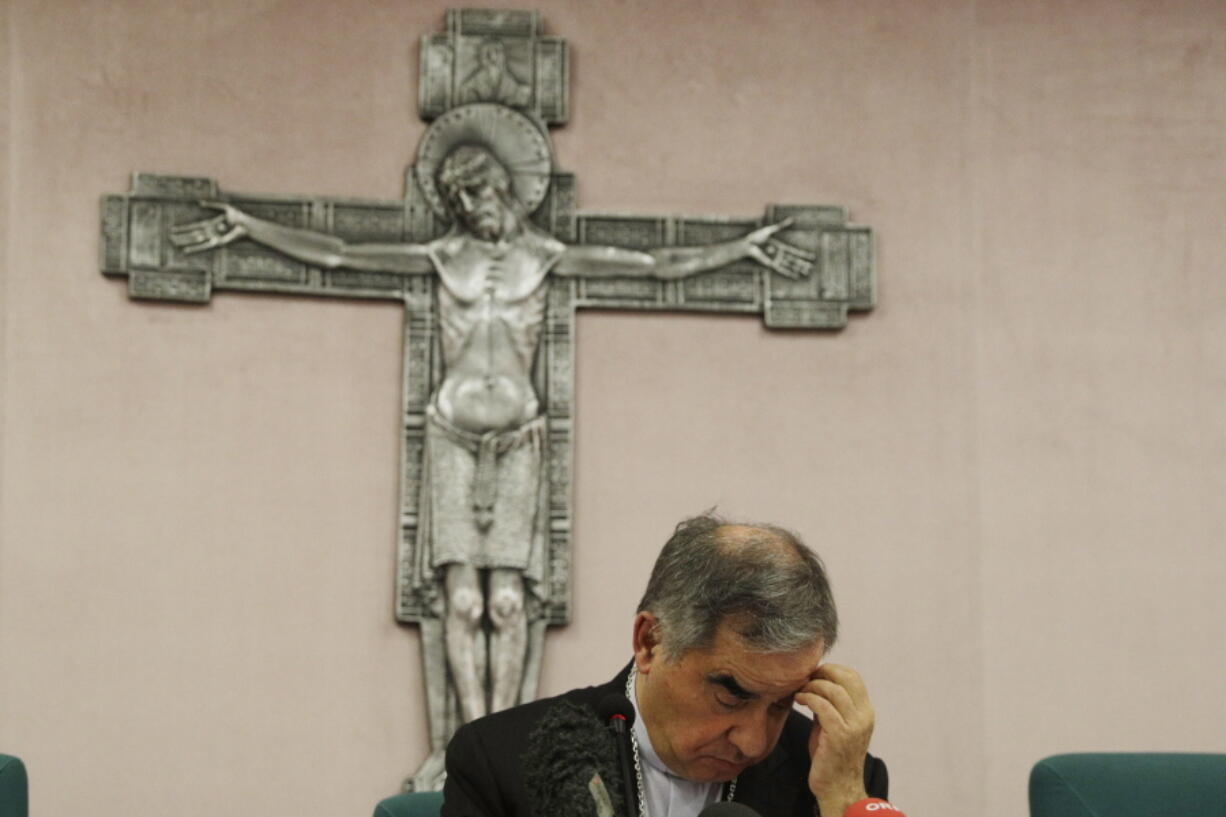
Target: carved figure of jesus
{"type": "Point", "coordinates": [483, 480]}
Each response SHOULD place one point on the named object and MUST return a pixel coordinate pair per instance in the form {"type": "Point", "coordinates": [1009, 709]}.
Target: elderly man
{"type": "Point", "coordinates": [729, 640]}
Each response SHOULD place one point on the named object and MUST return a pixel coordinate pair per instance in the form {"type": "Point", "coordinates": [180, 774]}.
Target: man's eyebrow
{"type": "Point", "coordinates": [729, 683]}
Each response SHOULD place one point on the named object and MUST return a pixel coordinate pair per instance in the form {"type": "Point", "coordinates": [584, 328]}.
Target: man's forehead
{"type": "Point", "coordinates": [753, 684]}
{"type": "Point", "coordinates": [758, 672]}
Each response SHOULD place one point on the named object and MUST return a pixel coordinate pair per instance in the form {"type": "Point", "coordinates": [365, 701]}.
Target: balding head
{"type": "Point", "coordinates": [759, 579]}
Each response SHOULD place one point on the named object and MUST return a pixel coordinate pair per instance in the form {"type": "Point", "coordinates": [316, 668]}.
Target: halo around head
{"type": "Point", "coordinates": [512, 138]}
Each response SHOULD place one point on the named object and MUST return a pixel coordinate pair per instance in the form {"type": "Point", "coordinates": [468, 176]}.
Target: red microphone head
{"type": "Point", "coordinates": [615, 705]}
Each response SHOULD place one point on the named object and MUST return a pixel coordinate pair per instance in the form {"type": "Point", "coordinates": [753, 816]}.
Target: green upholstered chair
{"type": "Point", "coordinates": [14, 788]}
{"type": "Point", "coordinates": [1129, 785]}
{"type": "Point", "coordinates": [413, 804]}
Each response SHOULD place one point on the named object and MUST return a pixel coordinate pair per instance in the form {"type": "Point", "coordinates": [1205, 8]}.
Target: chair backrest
{"type": "Point", "coordinates": [14, 788]}
{"type": "Point", "coordinates": [1128, 785]}
{"type": "Point", "coordinates": [413, 804]}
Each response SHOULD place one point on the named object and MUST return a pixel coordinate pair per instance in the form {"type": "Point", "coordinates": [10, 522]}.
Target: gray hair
{"type": "Point", "coordinates": [760, 579]}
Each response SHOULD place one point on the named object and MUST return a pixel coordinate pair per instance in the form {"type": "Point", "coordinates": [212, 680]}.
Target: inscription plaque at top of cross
{"type": "Point", "coordinates": [491, 260]}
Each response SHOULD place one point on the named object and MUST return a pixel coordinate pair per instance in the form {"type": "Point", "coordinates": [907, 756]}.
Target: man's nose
{"type": "Point", "coordinates": [751, 734]}
{"type": "Point", "coordinates": [466, 201]}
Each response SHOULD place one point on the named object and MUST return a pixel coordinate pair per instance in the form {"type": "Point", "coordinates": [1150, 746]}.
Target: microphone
{"type": "Point", "coordinates": [616, 710]}
{"type": "Point", "coordinates": [568, 757]}
{"type": "Point", "coordinates": [872, 807]}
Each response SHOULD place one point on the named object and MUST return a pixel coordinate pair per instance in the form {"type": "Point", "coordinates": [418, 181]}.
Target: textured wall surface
{"type": "Point", "coordinates": [1012, 467]}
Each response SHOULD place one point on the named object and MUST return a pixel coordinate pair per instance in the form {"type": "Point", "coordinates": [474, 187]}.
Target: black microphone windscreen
{"type": "Point", "coordinates": [724, 808]}
{"type": "Point", "coordinates": [566, 747]}
{"type": "Point", "coordinates": [615, 704]}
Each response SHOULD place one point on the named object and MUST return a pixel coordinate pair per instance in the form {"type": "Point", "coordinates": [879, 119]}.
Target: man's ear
{"type": "Point", "coordinates": [646, 641]}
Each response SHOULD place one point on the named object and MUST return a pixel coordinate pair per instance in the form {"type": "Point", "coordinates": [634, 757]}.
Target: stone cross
{"type": "Point", "coordinates": [493, 79]}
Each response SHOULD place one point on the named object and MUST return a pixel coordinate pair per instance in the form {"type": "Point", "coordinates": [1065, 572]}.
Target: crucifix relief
{"type": "Point", "coordinates": [491, 260]}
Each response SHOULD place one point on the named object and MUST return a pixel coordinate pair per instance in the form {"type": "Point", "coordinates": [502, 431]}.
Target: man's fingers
{"type": "Point", "coordinates": [847, 678]}
{"type": "Point", "coordinates": [837, 695]}
{"type": "Point", "coordinates": [843, 690]}
{"type": "Point", "coordinates": [825, 713]}
{"type": "Point", "coordinates": [834, 706]}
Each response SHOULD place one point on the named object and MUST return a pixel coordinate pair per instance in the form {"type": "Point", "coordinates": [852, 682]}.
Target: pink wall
{"type": "Point", "coordinates": [1012, 466]}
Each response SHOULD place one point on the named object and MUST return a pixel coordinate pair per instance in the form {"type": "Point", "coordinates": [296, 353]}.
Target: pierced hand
{"type": "Point", "coordinates": [210, 233]}
{"type": "Point", "coordinates": [842, 726]}
{"type": "Point", "coordinates": [758, 248]}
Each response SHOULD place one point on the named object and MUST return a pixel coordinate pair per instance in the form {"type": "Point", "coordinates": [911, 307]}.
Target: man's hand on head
{"type": "Point", "coordinates": [842, 726]}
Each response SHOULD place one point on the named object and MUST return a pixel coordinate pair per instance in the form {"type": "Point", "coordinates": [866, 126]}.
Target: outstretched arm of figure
{"type": "Point", "coordinates": [669, 262]}
{"type": "Point", "coordinates": [306, 245]}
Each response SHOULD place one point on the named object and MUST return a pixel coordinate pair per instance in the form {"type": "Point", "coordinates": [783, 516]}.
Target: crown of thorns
{"type": "Point", "coordinates": [517, 143]}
